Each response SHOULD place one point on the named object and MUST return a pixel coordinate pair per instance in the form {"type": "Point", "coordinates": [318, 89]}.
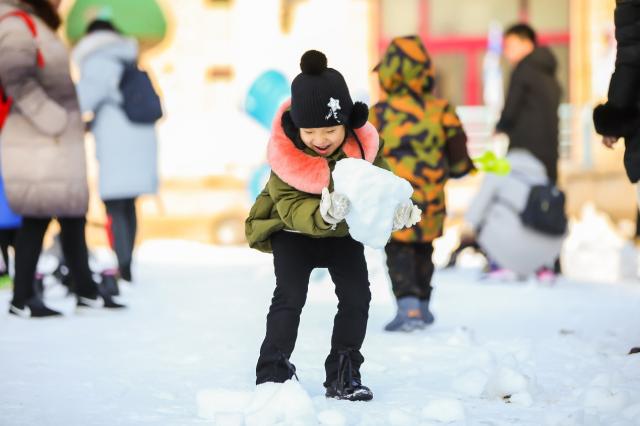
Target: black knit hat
{"type": "Point", "coordinates": [320, 96]}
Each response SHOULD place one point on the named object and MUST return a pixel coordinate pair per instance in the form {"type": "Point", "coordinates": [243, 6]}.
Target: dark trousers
{"type": "Point", "coordinates": [123, 228]}
{"type": "Point", "coordinates": [29, 246]}
{"type": "Point", "coordinates": [7, 239]}
{"type": "Point", "coordinates": [410, 269]}
{"type": "Point", "coordinates": [294, 257]}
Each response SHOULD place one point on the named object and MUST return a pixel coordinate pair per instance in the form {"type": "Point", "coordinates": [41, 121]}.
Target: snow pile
{"type": "Point", "coordinates": [507, 382]}
{"type": "Point", "coordinates": [444, 410]}
{"type": "Point", "coordinates": [374, 194]}
{"type": "Point", "coordinates": [597, 251]}
{"type": "Point", "coordinates": [270, 404]}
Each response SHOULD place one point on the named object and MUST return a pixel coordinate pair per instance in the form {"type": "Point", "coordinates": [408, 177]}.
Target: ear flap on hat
{"type": "Point", "coordinates": [291, 130]}
{"type": "Point", "coordinates": [359, 115]}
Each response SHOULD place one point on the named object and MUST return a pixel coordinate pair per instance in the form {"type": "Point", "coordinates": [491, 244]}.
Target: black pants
{"type": "Point", "coordinates": [294, 257]}
{"type": "Point", "coordinates": [123, 227]}
{"type": "Point", "coordinates": [7, 239]}
{"type": "Point", "coordinates": [410, 269]}
{"type": "Point", "coordinates": [29, 246]}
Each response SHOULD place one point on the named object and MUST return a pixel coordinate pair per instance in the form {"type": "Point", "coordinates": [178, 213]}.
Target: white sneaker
{"type": "Point", "coordinates": [22, 313]}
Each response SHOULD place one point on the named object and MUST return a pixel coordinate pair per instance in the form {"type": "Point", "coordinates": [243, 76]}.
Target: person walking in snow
{"type": "Point", "coordinates": [126, 150]}
{"type": "Point", "coordinates": [424, 144]}
{"type": "Point", "coordinates": [300, 220]}
{"type": "Point", "coordinates": [43, 156]}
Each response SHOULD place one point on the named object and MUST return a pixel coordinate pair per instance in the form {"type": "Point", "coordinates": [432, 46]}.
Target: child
{"type": "Point", "coordinates": [298, 219]}
{"type": "Point", "coordinates": [425, 144]}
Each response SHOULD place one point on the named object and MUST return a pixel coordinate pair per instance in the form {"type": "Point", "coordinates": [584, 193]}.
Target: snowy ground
{"type": "Point", "coordinates": [184, 352]}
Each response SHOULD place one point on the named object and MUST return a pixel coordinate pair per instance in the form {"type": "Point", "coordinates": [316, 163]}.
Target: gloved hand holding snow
{"type": "Point", "coordinates": [374, 194]}
{"type": "Point", "coordinates": [334, 206]}
{"type": "Point", "coordinates": [406, 215]}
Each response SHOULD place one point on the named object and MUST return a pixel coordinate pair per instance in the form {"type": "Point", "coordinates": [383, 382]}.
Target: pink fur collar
{"type": "Point", "coordinates": [308, 173]}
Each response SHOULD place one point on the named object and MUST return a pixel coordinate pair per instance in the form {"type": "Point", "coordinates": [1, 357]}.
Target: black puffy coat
{"type": "Point", "coordinates": [620, 116]}
{"type": "Point", "coordinates": [530, 114]}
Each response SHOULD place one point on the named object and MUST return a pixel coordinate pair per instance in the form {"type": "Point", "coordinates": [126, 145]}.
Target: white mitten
{"type": "Point", "coordinates": [406, 215]}
{"type": "Point", "coordinates": [334, 207]}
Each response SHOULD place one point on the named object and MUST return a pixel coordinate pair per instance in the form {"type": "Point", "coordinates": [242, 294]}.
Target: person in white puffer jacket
{"type": "Point", "coordinates": [494, 215]}
{"type": "Point", "coordinates": [126, 151]}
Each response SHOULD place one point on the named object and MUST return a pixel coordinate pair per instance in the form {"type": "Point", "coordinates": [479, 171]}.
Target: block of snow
{"type": "Point", "coordinates": [471, 383]}
{"type": "Point", "coordinates": [286, 403]}
{"type": "Point", "coordinates": [444, 410]}
{"type": "Point", "coordinates": [604, 399]}
{"type": "Point", "coordinates": [506, 381]}
{"type": "Point", "coordinates": [332, 418]}
{"type": "Point", "coordinates": [374, 194]}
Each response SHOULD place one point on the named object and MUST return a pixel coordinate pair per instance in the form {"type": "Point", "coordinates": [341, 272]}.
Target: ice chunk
{"type": "Point", "coordinates": [374, 194]}
{"type": "Point", "coordinates": [444, 410]}
{"type": "Point", "coordinates": [506, 381]}
{"type": "Point", "coordinates": [287, 403]}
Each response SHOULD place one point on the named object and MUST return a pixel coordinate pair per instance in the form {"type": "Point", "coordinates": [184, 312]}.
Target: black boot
{"type": "Point", "coordinates": [98, 299]}
{"type": "Point", "coordinates": [347, 386]}
{"type": "Point", "coordinates": [634, 351]}
{"type": "Point", "coordinates": [33, 308]}
{"type": "Point", "coordinates": [109, 282]}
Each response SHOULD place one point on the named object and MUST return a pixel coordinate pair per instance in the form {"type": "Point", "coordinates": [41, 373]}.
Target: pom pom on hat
{"type": "Point", "coordinates": [359, 115]}
{"type": "Point", "coordinates": [313, 62]}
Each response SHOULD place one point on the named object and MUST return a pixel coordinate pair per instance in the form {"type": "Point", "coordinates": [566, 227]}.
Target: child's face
{"type": "Point", "coordinates": [323, 140]}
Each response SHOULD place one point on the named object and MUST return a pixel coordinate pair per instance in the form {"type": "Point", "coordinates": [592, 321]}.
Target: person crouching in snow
{"type": "Point", "coordinates": [300, 220]}
{"type": "Point", "coordinates": [424, 144]}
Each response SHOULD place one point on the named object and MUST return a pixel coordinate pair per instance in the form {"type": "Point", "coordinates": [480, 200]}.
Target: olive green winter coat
{"type": "Point", "coordinates": [291, 198]}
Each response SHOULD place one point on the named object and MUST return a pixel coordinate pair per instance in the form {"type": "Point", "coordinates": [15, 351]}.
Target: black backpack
{"type": "Point", "coordinates": [141, 103]}
{"type": "Point", "coordinates": [545, 211]}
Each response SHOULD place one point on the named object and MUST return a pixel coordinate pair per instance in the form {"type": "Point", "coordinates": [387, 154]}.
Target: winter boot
{"type": "Point", "coordinates": [109, 282]}
{"type": "Point", "coordinates": [427, 315]}
{"type": "Point", "coordinates": [347, 386]}
{"type": "Point", "coordinates": [125, 273]}
{"type": "Point", "coordinates": [408, 317]}
{"type": "Point", "coordinates": [34, 308]}
{"type": "Point", "coordinates": [634, 351]}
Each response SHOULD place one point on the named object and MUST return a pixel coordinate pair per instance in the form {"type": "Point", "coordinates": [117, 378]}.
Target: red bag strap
{"type": "Point", "coordinates": [28, 20]}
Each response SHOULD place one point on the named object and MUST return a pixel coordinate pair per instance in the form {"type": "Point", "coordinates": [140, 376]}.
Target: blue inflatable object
{"type": "Point", "coordinates": [265, 96]}
{"type": "Point", "coordinates": [258, 180]}
{"type": "Point", "coordinates": [8, 219]}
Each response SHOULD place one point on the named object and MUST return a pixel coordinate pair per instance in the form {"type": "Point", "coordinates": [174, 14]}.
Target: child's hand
{"type": "Point", "coordinates": [406, 215]}
{"type": "Point", "coordinates": [334, 207]}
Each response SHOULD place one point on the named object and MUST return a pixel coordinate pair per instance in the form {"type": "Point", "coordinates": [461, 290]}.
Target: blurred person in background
{"type": "Point", "coordinates": [126, 150]}
{"type": "Point", "coordinates": [514, 248]}
{"type": "Point", "coordinates": [424, 144]}
{"type": "Point", "coordinates": [619, 117]}
{"type": "Point", "coordinates": [43, 156]}
{"type": "Point", "coordinates": [530, 114]}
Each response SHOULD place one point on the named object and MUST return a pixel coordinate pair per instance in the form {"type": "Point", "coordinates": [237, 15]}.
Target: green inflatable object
{"type": "Point", "coordinates": [143, 19]}
{"type": "Point", "coordinates": [490, 163]}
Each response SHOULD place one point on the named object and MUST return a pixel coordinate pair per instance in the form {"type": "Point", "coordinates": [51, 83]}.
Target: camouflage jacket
{"type": "Point", "coordinates": [424, 139]}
